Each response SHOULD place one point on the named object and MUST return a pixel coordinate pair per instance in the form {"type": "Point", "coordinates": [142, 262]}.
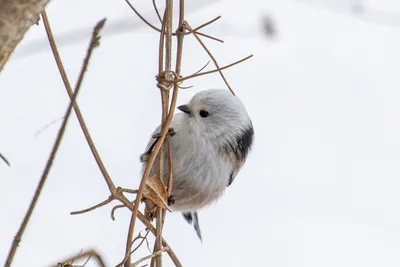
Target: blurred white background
{"type": "Point", "coordinates": [320, 187]}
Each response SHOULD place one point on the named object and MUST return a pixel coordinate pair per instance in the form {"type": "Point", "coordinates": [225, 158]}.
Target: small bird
{"type": "Point", "coordinates": [210, 141]}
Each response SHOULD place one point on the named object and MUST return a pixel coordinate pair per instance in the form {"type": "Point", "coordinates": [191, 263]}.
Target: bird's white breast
{"type": "Point", "coordinates": [200, 175]}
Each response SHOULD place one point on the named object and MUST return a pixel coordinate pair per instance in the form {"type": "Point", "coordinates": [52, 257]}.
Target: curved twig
{"type": "Point", "coordinates": [157, 253]}
{"type": "Point", "coordinates": [101, 204]}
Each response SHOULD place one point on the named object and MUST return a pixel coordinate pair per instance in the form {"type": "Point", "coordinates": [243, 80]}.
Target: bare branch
{"type": "Point", "coordinates": [79, 115]}
{"type": "Point", "coordinates": [114, 209]}
{"type": "Point", "coordinates": [141, 17]}
{"type": "Point", "coordinates": [4, 159]}
{"type": "Point", "coordinates": [203, 25]}
{"type": "Point", "coordinates": [101, 204]}
{"type": "Point", "coordinates": [90, 253]}
{"type": "Point", "coordinates": [17, 238]}
{"type": "Point", "coordinates": [150, 256]}
{"type": "Point", "coordinates": [197, 74]}
{"type": "Point", "coordinates": [187, 26]}
{"type": "Point", "coordinates": [156, 9]}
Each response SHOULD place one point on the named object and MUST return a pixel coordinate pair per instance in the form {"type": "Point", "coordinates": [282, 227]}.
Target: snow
{"type": "Point", "coordinates": [320, 187]}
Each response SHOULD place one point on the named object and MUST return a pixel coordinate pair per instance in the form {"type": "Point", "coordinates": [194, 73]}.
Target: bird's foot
{"type": "Point", "coordinates": [171, 200]}
{"type": "Point", "coordinates": [146, 155]}
{"type": "Point", "coordinates": [171, 132]}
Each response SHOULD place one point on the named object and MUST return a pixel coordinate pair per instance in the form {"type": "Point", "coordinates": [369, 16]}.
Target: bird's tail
{"type": "Point", "coordinates": [192, 217]}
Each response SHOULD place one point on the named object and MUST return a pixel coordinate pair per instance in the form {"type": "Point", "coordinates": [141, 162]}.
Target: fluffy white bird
{"type": "Point", "coordinates": [210, 141]}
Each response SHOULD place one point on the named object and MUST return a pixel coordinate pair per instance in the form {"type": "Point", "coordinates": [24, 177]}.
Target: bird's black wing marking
{"type": "Point", "coordinates": [239, 148]}
{"type": "Point", "coordinates": [231, 177]}
{"type": "Point", "coordinates": [193, 217]}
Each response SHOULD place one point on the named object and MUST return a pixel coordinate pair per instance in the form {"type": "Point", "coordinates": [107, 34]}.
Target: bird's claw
{"type": "Point", "coordinates": [171, 132]}
{"type": "Point", "coordinates": [171, 200]}
{"type": "Point", "coordinates": [146, 155]}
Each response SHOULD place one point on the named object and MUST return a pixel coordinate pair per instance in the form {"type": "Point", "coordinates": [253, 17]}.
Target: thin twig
{"type": "Point", "coordinates": [77, 110]}
{"type": "Point", "coordinates": [159, 17]}
{"type": "Point", "coordinates": [18, 236]}
{"type": "Point", "coordinates": [202, 68]}
{"type": "Point", "coordinates": [90, 253]}
{"type": "Point", "coordinates": [203, 25]}
{"type": "Point", "coordinates": [114, 209]}
{"type": "Point", "coordinates": [210, 37]}
{"type": "Point", "coordinates": [114, 191]}
{"type": "Point", "coordinates": [47, 126]}
{"type": "Point", "coordinates": [93, 149]}
{"type": "Point", "coordinates": [157, 253]}
{"type": "Point", "coordinates": [210, 55]}
{"type": "Point", "coordinates": [149, 226]}
{"type": "Point", "coordinates": [88, 259]}
{"type": "Point", "coordinates": [141, 242]}
{"type": "Point", "coordinates": [101, 204]}
{"type": "Point", "coordinates": [165, 101]}
{"type": "Point", "coordinates": [4, 159]}
{"type": "Point", "coordinates": [141, 17]}
{"type": "Point", "coordinates": [197, 74]}
{"type": "Point", "coordinates": [150, 162]}
{"type": "Point", "coordinates": [156, 9]}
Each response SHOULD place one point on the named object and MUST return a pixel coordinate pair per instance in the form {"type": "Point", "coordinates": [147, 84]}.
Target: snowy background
{"type": "Point", "coordinates": [321, 187]}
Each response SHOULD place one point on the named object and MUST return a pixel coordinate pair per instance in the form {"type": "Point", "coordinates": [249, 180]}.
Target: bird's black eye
{"type": "Point", "coordinates": [203, 113]}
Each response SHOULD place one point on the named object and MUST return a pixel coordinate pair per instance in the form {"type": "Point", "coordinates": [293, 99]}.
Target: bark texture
{"type": "Point", "coordinates": [16, 16]}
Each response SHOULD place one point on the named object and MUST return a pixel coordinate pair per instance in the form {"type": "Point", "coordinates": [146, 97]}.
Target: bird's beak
{"type": "Point", "coordinates": [185, 109]}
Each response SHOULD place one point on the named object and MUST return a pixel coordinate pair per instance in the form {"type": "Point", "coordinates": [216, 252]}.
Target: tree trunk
{"type": "Point", "coordinates": [16, 16]}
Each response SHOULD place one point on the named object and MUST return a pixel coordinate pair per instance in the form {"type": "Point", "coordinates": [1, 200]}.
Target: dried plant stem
{"type": "Point", "coordinates": [17, 238]}
{"type": "Point", "coordinates": [77, 110]}
{"type": "Point", "coordinates": [155, 254]}
{"type": "Point", "coordinates": [165, 101]}
{"type": "Point", "coordinates": [197, 74]}
{"type": "Point", "coordinates": [150, 163]}
{"type": "Point", "coordinates": [149, 226]}
{"type": "Point", "coordinates": [117, 194]}
{"type": "Point", "coordinates": [101, 204]}
{"type": "Point", "coordinates": [187, 26]}
{"type": "Point", "coordinates": [141, 17]}
{"type": "Point", "coordinates": [4, 159]}
{"type": "Point", "coordinates": [203, 25]}
{"type": "Point", "coordinates": [90, 253]}
{"type": "Point", "coordinates": [159, 17]}
{"type": "Point", "coordinates": [156, 9]}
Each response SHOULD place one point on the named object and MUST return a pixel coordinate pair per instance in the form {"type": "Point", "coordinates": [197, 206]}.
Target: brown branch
{"type": "Point", "coordinates": [90, 253]}
{"type": "Point", "coordinates": [197, 74]}
{"type": "Point", "coordinates": [203, 25]}
{"type": "Point", "coordinates": [165, 101]}
{"type": "Point", "coordinates": [114, 209]}
{"type": "Point", "coordinates": [77, 110]}
{"type": "Point", "coordinates": [114, 192]}
{"type": "Point", "coordinates": [155, 254]}
{"type": "Point", "coordinates": [141, 17]}
{"type": "Point", "coordinates": [94, 43]}
{"type": "Point", "coordinates": [210, 37]}
{"type": "Point", "coordinates": [149, 165]}
{"type": "Point", "coordinates": [187, 26]}
{"type": "Point", "coordinates": [149, 226]}
{"type": "Point", "coordinates": [157, 12]}
{"type": "Point", "coordinates": [141, 242]}
{"type": "Point", "coordinates": [4, 159]}
{"type": "Point", "coordinates": [101, 204]}
{"type": "Point", "coordinates": [159, 17]}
